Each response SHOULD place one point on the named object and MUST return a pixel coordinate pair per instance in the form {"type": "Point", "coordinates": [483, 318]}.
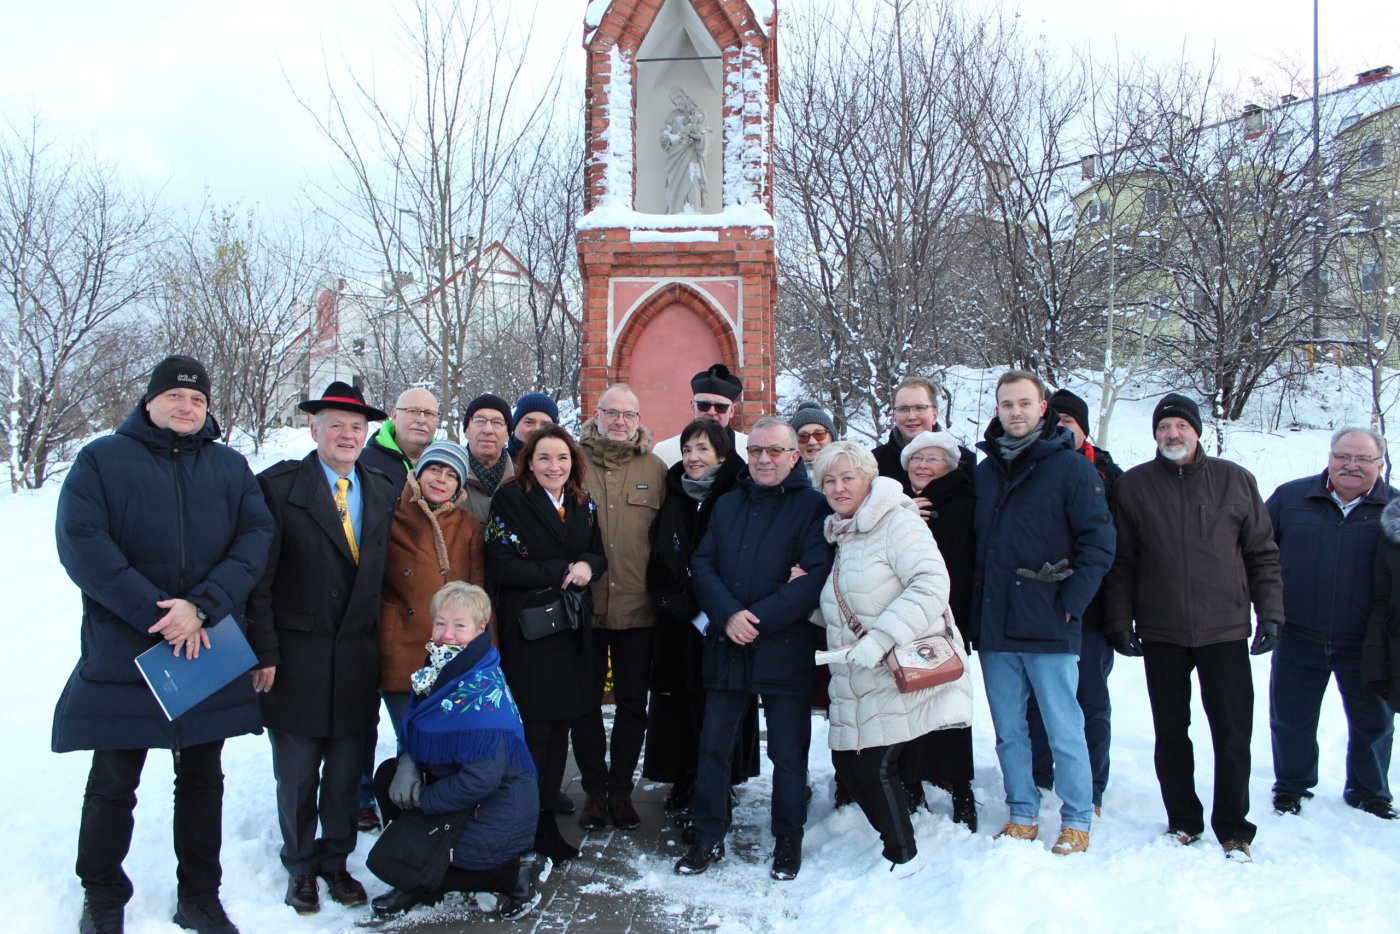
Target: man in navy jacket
{"type": "Point", "coordinates": [1328, 527]}
{"type": "Point", "coordinates": [165, 532]}
{"type": "Point", "coordinates": [758, 639]}
{"type": "Point", "coordinates": [1044, 541]}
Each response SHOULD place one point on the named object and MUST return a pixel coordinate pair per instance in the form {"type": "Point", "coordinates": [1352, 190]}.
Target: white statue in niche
{"type": "Point", "coordinates": [685, 139]}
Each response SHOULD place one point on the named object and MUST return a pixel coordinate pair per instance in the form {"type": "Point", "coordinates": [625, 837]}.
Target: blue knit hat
{"type": "Point", "coordinates": [535, 402]}
{"type": "Point", "coordinates": [448, 453]}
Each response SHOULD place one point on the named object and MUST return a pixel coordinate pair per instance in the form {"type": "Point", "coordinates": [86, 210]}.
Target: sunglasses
{"type": "Point", "coordinates": [817, 434]}
{"type": "Point", "coordinates": [720, 407]}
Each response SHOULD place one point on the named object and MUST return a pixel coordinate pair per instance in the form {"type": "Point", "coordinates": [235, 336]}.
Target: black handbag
{"type": "Point", "coordinates": [414, 850]}
{"type": "Point", "coordinates": [543, 614]}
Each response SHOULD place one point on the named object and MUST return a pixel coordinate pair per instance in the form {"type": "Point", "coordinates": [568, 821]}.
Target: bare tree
{"type": "Point", "coordinates": [75, 265]}
{"type": "Point", "coordinates": [235, 293]}
{"type": "Point", "coordinates": [427, 180]}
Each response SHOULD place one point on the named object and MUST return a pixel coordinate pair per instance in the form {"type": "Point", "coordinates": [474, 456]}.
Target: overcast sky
{"type": "Point", "coordinates": [189, 96]}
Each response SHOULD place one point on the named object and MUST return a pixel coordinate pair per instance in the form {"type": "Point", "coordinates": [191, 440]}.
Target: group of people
{"type": "Point", "coordinates": [487, 594]}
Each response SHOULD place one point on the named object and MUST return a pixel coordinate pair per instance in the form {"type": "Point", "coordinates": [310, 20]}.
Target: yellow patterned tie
{"type": "Point", "coordinates": [342, 506]}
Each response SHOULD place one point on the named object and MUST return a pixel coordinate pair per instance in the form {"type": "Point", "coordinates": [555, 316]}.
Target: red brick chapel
{"type": "Point", "coordinates": [676, 241]}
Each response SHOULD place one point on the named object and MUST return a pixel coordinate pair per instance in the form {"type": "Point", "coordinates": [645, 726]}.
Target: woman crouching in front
{"type": "Point", "coordinates": [888, 586]}
{"type": "Point", "coordinates": [464, 749]}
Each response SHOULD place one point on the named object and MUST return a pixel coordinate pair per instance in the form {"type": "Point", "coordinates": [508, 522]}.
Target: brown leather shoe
{"type": "Point", "coordinates": [302, 894]}
{"type": "Point", "coordinates": [1071, 841]}
{"type": "Point", "coordinates": [624, 815]}
{"type": "Point", "coordinates": [594, 815]}
{"type": "Point", "coordinates": [1018, 831]}
{"type": "Point", "coordinates": [344, 889]}
{"type": "Point", "coordinates": [367, 820]}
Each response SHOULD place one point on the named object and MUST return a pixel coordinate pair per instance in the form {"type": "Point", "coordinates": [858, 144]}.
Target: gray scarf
{"type": "Point", "coordinates": [1012, 448]}
{"type": "Point", "coordinates": [699, 489]}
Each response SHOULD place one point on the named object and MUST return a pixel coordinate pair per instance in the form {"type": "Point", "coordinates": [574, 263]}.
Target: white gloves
{"type": "Point", "coordinates": [867, 652]}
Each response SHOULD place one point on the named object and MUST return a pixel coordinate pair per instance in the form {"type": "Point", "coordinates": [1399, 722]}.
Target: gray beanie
{"type": "Point", "coordinates": [448, 453]}
{"type": "Point", "coordinates": [943, 440]}
{"type": "Point", "coordinates": [810, 413]}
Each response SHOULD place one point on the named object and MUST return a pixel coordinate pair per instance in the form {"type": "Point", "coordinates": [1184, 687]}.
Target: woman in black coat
{"type": "Point", "coordinates": [1380, 656]}
{"type": "Point", "coordinates": [705, 472]}
{"type": "Point", "coordinates": [541, 536]}
{"type": "Point", "coordinates": [946, 500]}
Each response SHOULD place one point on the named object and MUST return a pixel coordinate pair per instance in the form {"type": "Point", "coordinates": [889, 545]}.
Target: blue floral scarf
{"type": "Point", "coordinates": [468, 714]}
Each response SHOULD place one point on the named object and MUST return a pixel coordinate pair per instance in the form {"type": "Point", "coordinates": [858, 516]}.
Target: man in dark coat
{"type": "Point", "coordinates": [1328, 529]}
{"type": "Point", "coordinates": [165, 532]}
{"type": "Point", "coordinates": [758, 639]}
{"type": "Point", "coordinates": [1044, 541]}
{"type": "Point", "coordinates": [1095, 654]}
{"type": "Point", "coordinates": [915, 411]}
{"type": "Point", "coordinates": [313, 622]}
{"type": "Point", "coordinates": [1195, 548]}
{"type": "Point", "coordinates": [393, 451]}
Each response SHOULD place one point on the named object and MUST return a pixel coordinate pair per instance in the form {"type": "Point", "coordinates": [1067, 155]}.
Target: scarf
{"type": "Point", "coordinates": [469, 713]}
{"type": "Point", "coordinates": [489, 477]}
{"type": "Point", "coordinates": [698, 490]}
{"type": "Point", "coordinates": [424, 678]}
{"type": "Point", "coordinates": [1011, 448]}
{"type": "Point", "coordinates": [434, 514]}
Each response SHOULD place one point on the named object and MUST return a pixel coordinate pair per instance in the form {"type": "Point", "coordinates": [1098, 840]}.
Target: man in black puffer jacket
{"type": "Point", "coordinates": [165, 532]}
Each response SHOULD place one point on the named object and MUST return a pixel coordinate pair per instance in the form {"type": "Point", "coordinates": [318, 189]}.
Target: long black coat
{"type": "Point", "coordinates": [1380, 655]}
{"type": "Point", "coordinates": [756, 535]}
{"type": "Point", "coordinates": [146, 515]}
{"type": "Point", "coordinates": [954, 503]}
{"type": "Point", "coordinates": [528, 549]}
{"type": "Point", "coordinates": [315, 614]}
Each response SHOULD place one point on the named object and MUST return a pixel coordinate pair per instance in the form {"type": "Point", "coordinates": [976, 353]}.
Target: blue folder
{"type": "Point", "coordinates": [180, 683]}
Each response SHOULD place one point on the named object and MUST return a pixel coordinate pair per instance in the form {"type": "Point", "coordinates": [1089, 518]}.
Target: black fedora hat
{"type": "Point", "coordinates": [340, 395]}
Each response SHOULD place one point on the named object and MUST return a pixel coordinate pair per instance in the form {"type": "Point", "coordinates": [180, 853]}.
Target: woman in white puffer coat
{"type": "Point", "coordinates": [892, 579]}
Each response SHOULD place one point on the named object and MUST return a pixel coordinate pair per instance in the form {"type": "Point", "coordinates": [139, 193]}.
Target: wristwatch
{"type": "Point", "coordinates": [203, 616]}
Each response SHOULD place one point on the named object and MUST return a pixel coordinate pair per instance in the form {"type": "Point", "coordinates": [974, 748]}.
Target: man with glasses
{"type": "Point", "coordinates": [815, 430]}
{"type": "Point", "coordinates": [1195, 548]}
{"type": "Point", "coordinates": [757, 638]}
{"type": "Point", "coordinates": [714, 397]}
{"type": "Point", "coordinates": [1328, 528]}
{"type": "Point", "coordinates": [915, 411]}
{"type": "Point", "coordinates": [393, 451]}
{"type": "Point", "coordinates": [627, 482]}
{"type": "Point", "coordinates": [488, 424]}
{"type": "Point", "coordinates": [411, 426]}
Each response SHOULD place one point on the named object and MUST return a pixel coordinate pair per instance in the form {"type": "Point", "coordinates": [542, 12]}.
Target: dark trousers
{"type": "Point", "coordinates": [398, 706]}
{"type": "Point", "coordinates": [1227, 694]}
{"type": "Point", "coordinates": [1095, 664]}
{"type": "Point", "coordinates": [317, 780]}
{"type": "Point", "coordinates": [1301, 670]}
{"type": "Point", "coordinates": [871, 775]}
{"type": "Point", "coordinates": [789, 724]}
{"type": "Point", "coordinates": [943, 757]}
{"type": "Point", "coordinates": [631, 667]}
{"type": "Point", "coordinates": [104, 835]}
{"type": "Point", "coordinates": [548, 742]}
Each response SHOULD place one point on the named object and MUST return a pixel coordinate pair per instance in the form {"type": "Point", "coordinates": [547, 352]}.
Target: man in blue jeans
{"type": "Point", "coordinates": [1328, 527]}
{"type": "Point", "coordinates": [1044, 541]}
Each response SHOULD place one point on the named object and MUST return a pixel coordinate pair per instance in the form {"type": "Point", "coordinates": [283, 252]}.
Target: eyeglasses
{"type": "Point", "coordinates": [482, 422]}
{"type": "Point", "coordinates": [1359, 460]}
{"type": "Point", "coordinates": [927, 459]}
{"type": "Point", "coordinates": [774, 451]}
{"type": "Point", "coordinates": [816, 434]}
{"type": "Point", "coordinates": [912, 409]}
{"type": "Point", "coordinates": [720, 407]}
{"type": "Point", "coordinates": [614, 414]}
{"type": "Point", "coordinates": [415, 412]}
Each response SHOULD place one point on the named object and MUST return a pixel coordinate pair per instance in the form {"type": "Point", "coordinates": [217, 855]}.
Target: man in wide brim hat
{"type": "Point", "coordinates": [340, 395]}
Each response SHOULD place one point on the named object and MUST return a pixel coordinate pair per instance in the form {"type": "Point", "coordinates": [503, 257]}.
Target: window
{"type": "Point", "coordinates": [1095, 212]}
{"type": "Point", "coordinates": [1371, 275]}
{"type": "Point", "coordinates": [1157, 307]}
{"type": "Point", "coordinates": [1372, 154]}
{"type": "Point", "coordinates": [1347, 121]}
{"type": "Point", "coordinates": [1316, 284]}
{"type": "Point", "coordinates": [357, 347]}
{"type": "Point", "coordinates": [1154, 202]}
{"type": "Point", "coordinates": [1371, 215]}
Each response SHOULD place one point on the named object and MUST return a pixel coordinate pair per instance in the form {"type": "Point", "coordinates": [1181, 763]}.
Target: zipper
{"type": "Point", "coordinates": [179, 512]}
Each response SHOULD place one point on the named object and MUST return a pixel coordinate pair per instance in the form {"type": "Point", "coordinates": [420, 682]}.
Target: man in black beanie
{"type": "Point", "coordinates": [488, 423]}
{"type": "Point", "coordinates": [1194, 539]}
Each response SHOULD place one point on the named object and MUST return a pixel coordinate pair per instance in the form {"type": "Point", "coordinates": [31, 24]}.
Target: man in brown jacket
{"type": "Point", "coordinates": [1195, 549]}
{"type": "Point", "coordinates": [627, 481]}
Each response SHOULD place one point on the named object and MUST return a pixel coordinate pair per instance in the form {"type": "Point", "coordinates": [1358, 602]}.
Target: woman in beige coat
{"type": "Point", "coordinates": [433, 540]}
{"type": "Point", "coordinates": [889, 586]}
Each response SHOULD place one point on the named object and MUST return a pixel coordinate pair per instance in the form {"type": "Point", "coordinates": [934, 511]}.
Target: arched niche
{"type": "Point", "coordinates": [678, 52]}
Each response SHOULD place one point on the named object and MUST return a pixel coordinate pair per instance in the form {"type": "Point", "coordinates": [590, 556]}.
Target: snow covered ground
{"type": "Point", "coordinates": [1332, 869]}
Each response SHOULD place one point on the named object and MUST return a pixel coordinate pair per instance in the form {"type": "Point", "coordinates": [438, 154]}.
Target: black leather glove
{"type": "Point", "coordinates": [407, 784]}
{"type": "Point", "coordinates": [1048, 573]}
{"type": "Point", "coordinates": [1265, 638]}
{"type": "Point", "coordinates": [1125, 643]}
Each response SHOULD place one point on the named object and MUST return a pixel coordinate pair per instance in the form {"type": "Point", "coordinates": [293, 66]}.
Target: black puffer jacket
{"type": "Point", "coordinates": [146, 515]}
